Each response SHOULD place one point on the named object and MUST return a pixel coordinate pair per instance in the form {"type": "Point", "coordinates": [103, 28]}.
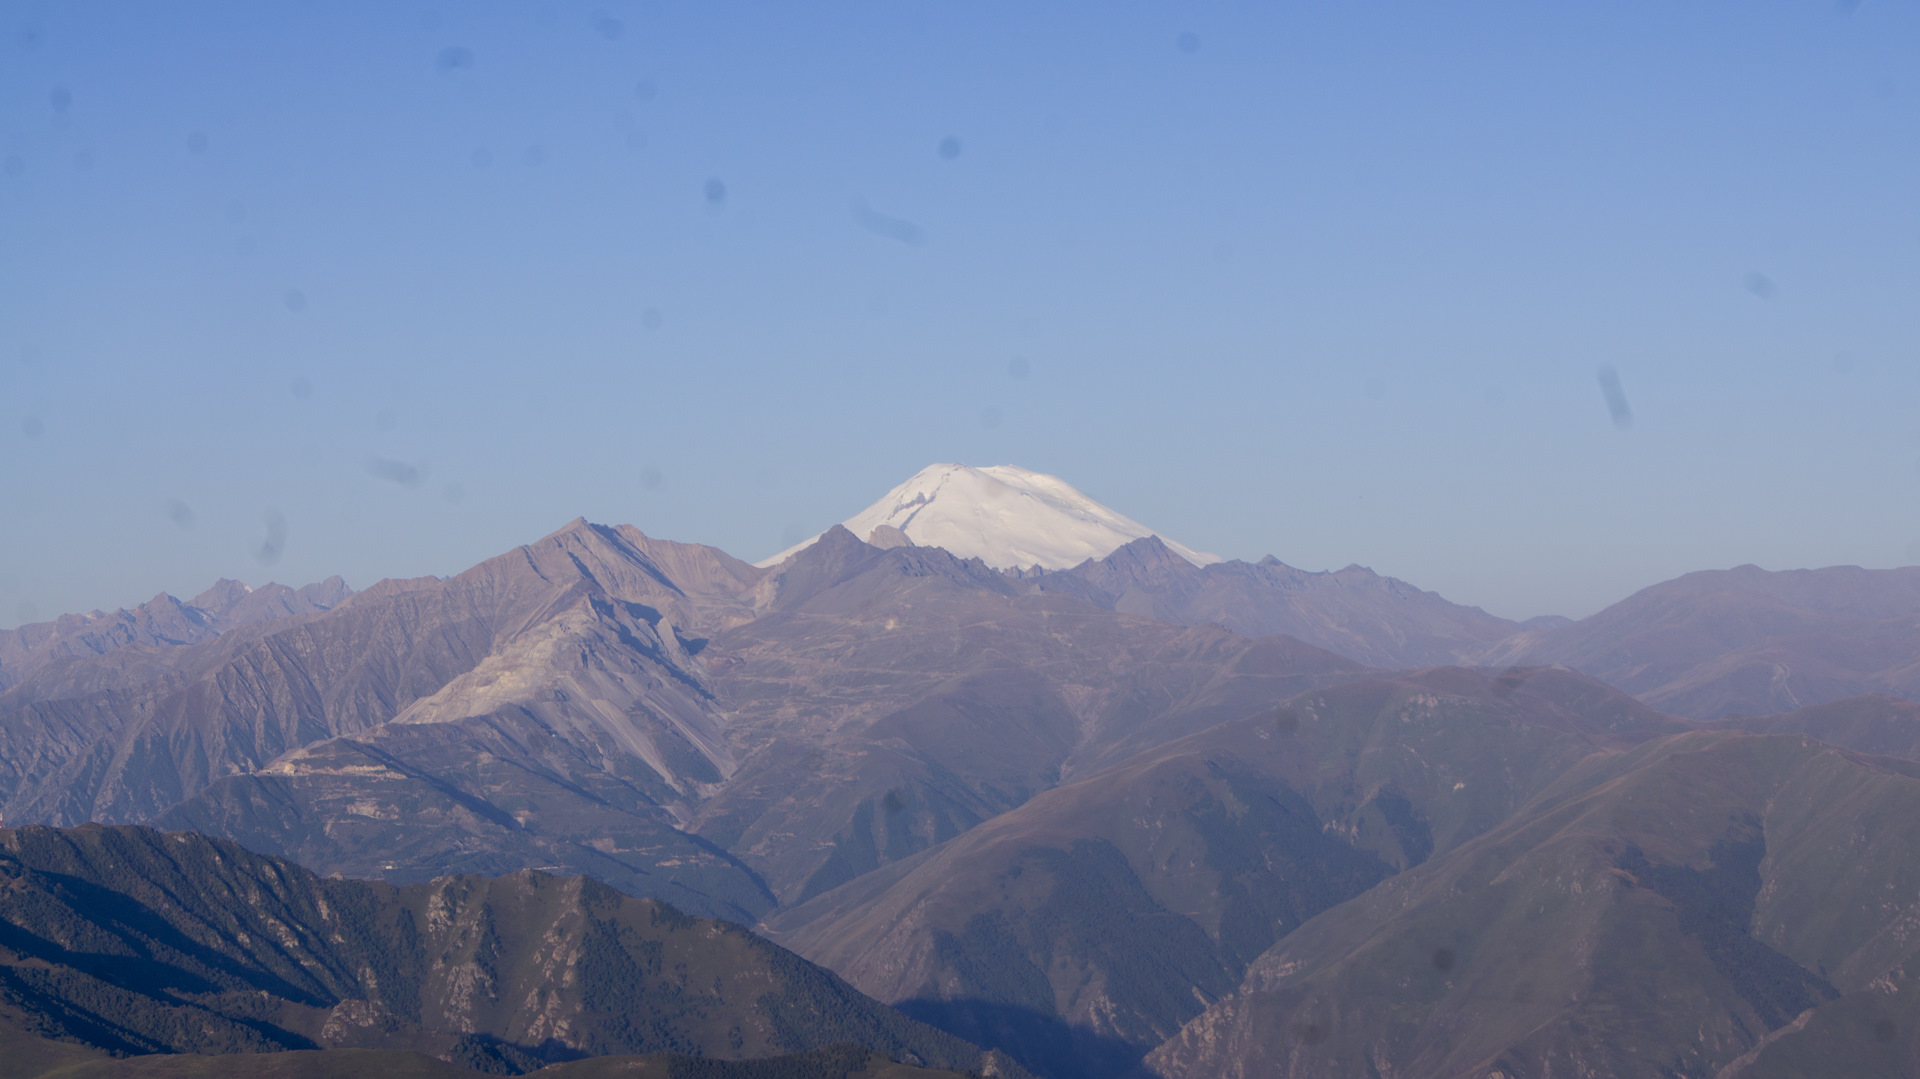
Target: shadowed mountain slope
{"type": "Point", "coordinates": [1081, 929]}
{"type": "Point", "coordinates": [1746, 640]}
{"type": "Point", "coordinates": [837, 1062]}
{"type": "Point", "coordinates": [133, 941]}
{"type": "Point", "coordinates": [1656, 912]}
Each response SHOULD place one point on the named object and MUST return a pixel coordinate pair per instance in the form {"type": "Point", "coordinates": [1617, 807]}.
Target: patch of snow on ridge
{"type": "Point", "coordinates": [1008, 517]}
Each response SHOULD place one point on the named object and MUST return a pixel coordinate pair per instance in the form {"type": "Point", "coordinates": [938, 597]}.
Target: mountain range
{"type": "Point", "coordinates": [1109, 806]}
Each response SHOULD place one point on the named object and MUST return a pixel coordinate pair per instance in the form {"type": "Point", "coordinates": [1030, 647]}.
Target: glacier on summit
{"type": "Point", "coordinates": [1006, 516]}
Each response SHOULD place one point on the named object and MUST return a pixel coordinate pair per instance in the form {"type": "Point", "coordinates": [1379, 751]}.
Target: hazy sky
{"type": "Point", "coordinates": [404, 285]}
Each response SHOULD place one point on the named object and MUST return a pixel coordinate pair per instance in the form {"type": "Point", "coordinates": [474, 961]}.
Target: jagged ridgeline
{"type": "Point", "coordinates": [128, 941]}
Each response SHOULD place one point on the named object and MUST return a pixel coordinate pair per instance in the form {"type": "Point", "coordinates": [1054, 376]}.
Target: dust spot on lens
{"type": "Point", "coordinates": [651, 318]}
{"type": "Point", "coordinates": [607, 26]}
{"type": "Point", "coordinates": [893, 228]}
{"type": "Point", "coordinates": [14, 165]}
{"type": "Point", "coordinates": [454, 58]}
{"type": "Point", "coordinates": [990, 418]}
{"type": "Point", "coordinates": [179, 513]}
{"type": "Point", "coordinates": [1188, 42]}
{"type": "Point", "coordinates": [32, 427]}
{"type": "Point", "coordinates": [1443, 959]}
{"type": "Point", "coordinates": [393, 471]}
{"type": "Point", "coordinates": [302, 388]}
{"type": "Point", "coordinates": [1523, 993]}
{"type": "Point", "coordinates": [296, 300]}
{"type": "Point", "coordinates": [651, 479]}
{"type": "Point", "coordinates": [646, 90]}
{"type": "Point", "coordinates": [949, 147]}
{"type": "Point", "coordinates": [1884, 1031]}
{"type": "Point", "coordinates": [60, 99]}
{"type": "Point", "coordinates": [1019, 367]}
{"type": "Point", "coordinates": [715, 191]}
{"type": "Point", "coordinates": [26, 612]}
{"type": "Point", "coordinates": [1616, 396]}
{"type": "Point", "coordinates": [275, 543]}
{"type": "Point", "coordinates": [455, 493]}
{"type": "Point", "coordinates": [1286, 720]}
{"type": "Point", "coordinates": [482, 158]}
{"type": "Point", "coordinates": [197, 142]}
{"type": "Point", "coordinates": [534, 156]}
{"type": "Point", "coordinates": [1761, 285]}
{"type": "Point", "coordinates": [1310, 1033]}
{"type": "Point", "coordinates": [384, 420]}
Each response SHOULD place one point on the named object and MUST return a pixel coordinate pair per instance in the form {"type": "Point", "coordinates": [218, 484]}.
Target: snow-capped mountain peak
{"type": "Point", "coordinates": [1008, 517]}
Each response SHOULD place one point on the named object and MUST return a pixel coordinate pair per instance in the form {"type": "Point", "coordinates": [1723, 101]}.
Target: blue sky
{"type": "Point", "coordinates": [410, 284]}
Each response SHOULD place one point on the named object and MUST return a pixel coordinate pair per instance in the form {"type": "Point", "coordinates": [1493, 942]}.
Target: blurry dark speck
{"type": "Point", "coordinates": [454, 58]}
{"type": "Point", "coordinates": [949, 147]}
{"type": "Point", "coordinates": [990, 418]}
{"type": "Point", "coordinates": [651, 318]}
{"type": "Point", "coordinates": [26, 612]}
{"type": "Point", "coordinates": [716, 193]}
{"type": "Point", "coordinates": [15, 165]}
{"type": "Point", "coordinates": [197, 142]}
{"type": "Point", "coordinates": [1761, 285]}
{"type": "Point", "coordinates": [636, 140]}
{"type": "Point", "coordinates": [455, 493]}
{"type": "Point", "coordinates": [235, 212]}
{"type": "Point", "coordinates": [275, 542]}
{"type": "Point", "coordinates": [1843, 363]}
{"type": "Point", "coordinates": [1616, 397]}
{"type": "Point", "coordinates": [83, 160]}
{"type": "Point", "coordinates": [179, 513]}
{"type": "Point", "coordinates": [893, 228]}
{"type": "Point", "coordinates": [296, 300]}
{"type": "Point", "coordinates": [645, 90]}
{"type": "Point", "coordinates": [32, 427]}
{"type": "Point", "coordinates": [384, 420]}
{"type": "Point", "coordinates": [1286, 720]}
{"type": "Point", "coordinates": [1189, 42]}
{"type": "Point", "coordinates": [393, 471]}
{"type": "Point", "coordinates": [607, 26]}
{"type": "Point", "coordinates": [1311, 1033]}
{"type": "Point", "coordinates": [534, 155]}
{"type": "Point", "coordinates": [1019, 367]}
{"type": "Point", "coordinates": [651, 479]}
{"type": "Point", "coordinates": [1847, 7]}
{"type": "Point", "coordinates": [1443, 959]}
{"type": "Point", "coordinates": [60, 99]}
{"type": "Point", "coordinates": [1883, 1031]}
{"type": "Point", "coordinates": [482, 158]}
{"type": "Point", "coordinates": [302, 388]}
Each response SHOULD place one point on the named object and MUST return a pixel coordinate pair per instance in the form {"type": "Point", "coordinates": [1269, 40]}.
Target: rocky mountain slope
{"type": "Point", "coordinates": [134, 941]}
{"type": "Point", "coordinates": [1688, 908]}
{"type": "Point", "coordinates": [1081, 929]}
{"type": "Point", "coordinates": [161, 622]}
{"type": "Point", "coordinates": [1352, 612]}
{"type": "Point", "coordinates": [1745, 640]}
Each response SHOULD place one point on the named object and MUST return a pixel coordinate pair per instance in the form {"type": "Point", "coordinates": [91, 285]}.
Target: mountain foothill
{"type": "Point", "coordinates": [949, 794]}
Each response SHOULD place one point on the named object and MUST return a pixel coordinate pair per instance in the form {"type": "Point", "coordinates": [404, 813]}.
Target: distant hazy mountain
{"type": "Point", "coordinates": [134, 941]}
{"type": "Point", "coordinates": [1712, 904]}
{"type": "Point", "coordinates": [1008, 517]}
{"type": "Point", "coordinates": [1081, 929]}
{"type": "Point", "coordinates": [162, 621]}
{"type": "Point", "coordinates": [1354, 612]}
{"type": "Point", "coordinates": [1746, 640]}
